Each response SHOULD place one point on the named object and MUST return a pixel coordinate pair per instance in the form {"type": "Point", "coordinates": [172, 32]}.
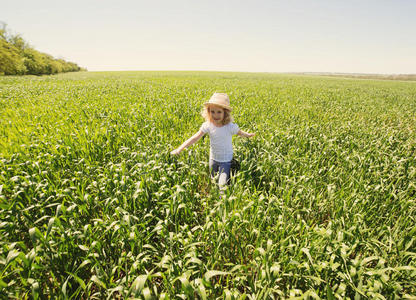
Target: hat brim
{"type": "Point", "coordinates": [220, 105]}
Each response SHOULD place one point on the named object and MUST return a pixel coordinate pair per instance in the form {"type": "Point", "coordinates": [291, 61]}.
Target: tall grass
{"type": "Point", "coordinates": [93, 206]}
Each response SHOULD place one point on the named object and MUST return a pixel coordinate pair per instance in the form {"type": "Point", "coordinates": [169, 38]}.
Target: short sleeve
{"type": "Point", "coordinates": [234, 128]}
{"type": "Point", "coordinates": [205, 127]}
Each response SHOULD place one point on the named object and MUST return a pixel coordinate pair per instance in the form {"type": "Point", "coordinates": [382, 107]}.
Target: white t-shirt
{"type": "Point", "coordinates": [221, 149]}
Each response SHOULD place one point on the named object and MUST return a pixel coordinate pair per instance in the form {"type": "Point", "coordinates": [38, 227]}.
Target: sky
{"type": "Point", "coordinates": [354, 36]}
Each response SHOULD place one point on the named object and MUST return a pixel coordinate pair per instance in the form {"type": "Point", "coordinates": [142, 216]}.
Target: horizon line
{"type": "Point", "coordinates": [267, 72]}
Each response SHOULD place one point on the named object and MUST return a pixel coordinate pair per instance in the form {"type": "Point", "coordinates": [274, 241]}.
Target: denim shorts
{"type": "Point", "coordinates": [222, 168]}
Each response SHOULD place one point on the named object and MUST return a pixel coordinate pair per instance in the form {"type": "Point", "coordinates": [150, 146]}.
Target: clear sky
{"type": "Point", "coordinates": [353, 36]}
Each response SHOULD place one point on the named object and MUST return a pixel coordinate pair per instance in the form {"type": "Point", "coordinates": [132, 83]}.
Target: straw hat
{"type": "Point", "coordinates": [221, 100]}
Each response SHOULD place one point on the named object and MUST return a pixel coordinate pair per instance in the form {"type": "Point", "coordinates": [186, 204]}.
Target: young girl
{"type": "Point", "coordinates": [219, 126]}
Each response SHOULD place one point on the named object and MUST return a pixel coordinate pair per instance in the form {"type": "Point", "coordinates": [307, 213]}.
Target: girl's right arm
{"type": "Point", "coordinates": [192, 140]}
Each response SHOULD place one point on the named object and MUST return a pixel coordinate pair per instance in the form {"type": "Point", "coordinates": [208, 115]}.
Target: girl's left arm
{"type": "Point", "coordinates": [245, 134]}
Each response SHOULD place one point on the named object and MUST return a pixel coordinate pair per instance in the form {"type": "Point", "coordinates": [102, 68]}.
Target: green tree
{"type": "Point", "coordinates": [34, 61]}
{"type": "Point", "coordinates": [18, 58]}
{"type": "Point", "coordinates": [11, 63]}
{"type": "Point", "coordinates": [19, 43]}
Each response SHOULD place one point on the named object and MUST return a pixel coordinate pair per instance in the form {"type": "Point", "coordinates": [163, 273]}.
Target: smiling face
{"type": "Point", "coordinates": [217, 114]}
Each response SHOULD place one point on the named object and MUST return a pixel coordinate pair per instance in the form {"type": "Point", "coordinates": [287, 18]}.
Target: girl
{"type": "Point", "coordinates": [219, 126]}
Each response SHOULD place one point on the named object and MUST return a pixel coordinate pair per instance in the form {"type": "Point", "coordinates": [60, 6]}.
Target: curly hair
{"type": "Point", "coordinates": [207, 116]}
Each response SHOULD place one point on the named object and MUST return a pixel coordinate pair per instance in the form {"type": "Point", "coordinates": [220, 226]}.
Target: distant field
{"type": "Point", "coordinates": [93, 206]}
{"type": "Point", "coordinates": [403, 77]}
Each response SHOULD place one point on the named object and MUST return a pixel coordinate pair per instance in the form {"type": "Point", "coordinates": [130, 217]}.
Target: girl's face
{"type": "Point", "coordinates": [217, 114]}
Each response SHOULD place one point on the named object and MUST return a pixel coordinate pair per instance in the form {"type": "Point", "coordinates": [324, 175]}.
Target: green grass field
{"type": "Point", "coordinates": [93, 206]}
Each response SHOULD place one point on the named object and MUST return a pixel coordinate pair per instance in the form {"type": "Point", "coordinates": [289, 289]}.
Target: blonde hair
{"type": "Point", "coordinates": [207, 116]}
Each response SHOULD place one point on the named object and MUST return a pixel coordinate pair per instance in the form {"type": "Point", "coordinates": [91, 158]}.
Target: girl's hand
{"type": "Point", "coordinates": [175, 152]}
{"type": "Point", "coordinates": [245, 134]}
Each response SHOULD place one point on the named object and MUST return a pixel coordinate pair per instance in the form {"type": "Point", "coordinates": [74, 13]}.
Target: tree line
{"type": "Point", "coordinates": [17, 57]}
